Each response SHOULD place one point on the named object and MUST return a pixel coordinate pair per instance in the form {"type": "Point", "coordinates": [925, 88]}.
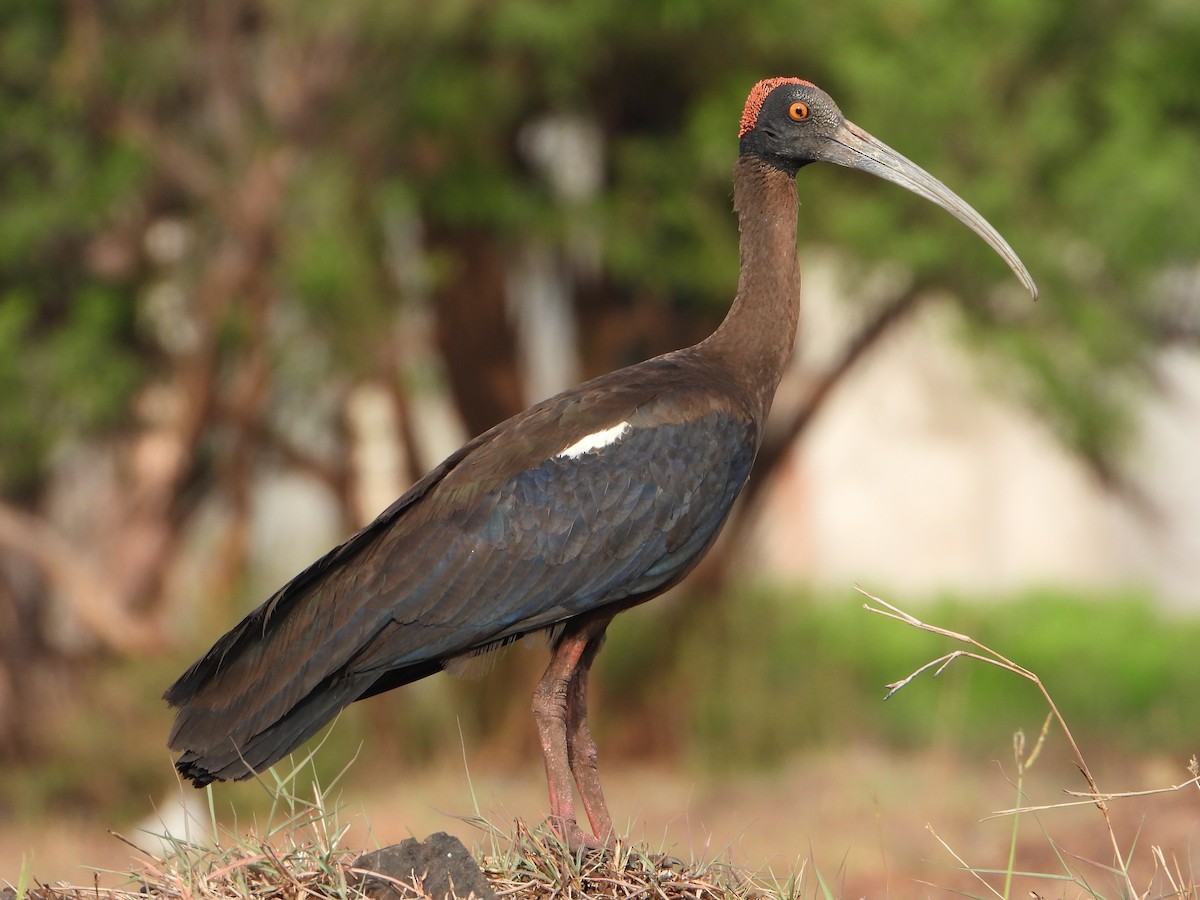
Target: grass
{"type": "Point", "coordinates": [298, 857]}
{"type": "Point", "coordinates": [298, 852]}
{"type": "Point", "coordinates": [1167, 879]}
{"type": "Point", "coordinates": [303, 857]}
{"type": "Point", "coordinates": [536, 865]}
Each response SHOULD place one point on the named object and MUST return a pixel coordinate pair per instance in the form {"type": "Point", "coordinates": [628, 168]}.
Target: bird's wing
{"type": "Point", "coordinates": [600, 496]}
{"type": "Point", "coordinates": [563, 537]}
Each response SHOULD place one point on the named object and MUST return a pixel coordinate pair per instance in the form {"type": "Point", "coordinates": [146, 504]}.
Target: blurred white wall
{"type": "Point", "coordinates": [919, 477]}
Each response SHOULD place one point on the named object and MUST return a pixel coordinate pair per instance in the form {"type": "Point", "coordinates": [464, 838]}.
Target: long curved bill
{"type": "Point", "coordinates": [856, 149]}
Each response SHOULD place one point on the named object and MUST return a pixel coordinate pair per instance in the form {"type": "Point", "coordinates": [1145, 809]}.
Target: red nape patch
{"type": "Point", "coordinates": [759, 93]}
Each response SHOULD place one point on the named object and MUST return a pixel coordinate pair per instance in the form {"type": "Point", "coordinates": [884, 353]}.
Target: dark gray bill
{"type": "Point", "coordinates": [855, 149]}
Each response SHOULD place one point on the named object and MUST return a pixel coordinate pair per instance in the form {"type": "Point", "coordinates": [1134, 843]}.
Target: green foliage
{"type": "Point", "coordinates": [1075, 127]}
{"type": "Point", "coordinates": [327, 261]}
{"type": "Point", "coordinates": [68, 360]}
{"type": "Point", "coordinates": [770, 674]}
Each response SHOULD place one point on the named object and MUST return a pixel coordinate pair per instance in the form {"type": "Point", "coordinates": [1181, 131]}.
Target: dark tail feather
{"type": "Point", "coordinates": [226, 758]}
{"type": "Point", "coordinates": [247, 703]}
{"type": "Point", "coordinates": [216, 752]}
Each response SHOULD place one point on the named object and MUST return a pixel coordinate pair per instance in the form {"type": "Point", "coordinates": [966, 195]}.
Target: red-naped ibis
{"type": "Point", "coordinates": [580, 507]}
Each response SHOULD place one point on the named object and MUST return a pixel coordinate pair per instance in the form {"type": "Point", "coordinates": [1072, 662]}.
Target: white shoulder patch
{"type": "Point", "coordinates": [594, 441]}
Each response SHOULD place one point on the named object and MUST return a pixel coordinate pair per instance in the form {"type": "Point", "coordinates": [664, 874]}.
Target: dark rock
{"type": "Point", "coordinates": [439, 868]}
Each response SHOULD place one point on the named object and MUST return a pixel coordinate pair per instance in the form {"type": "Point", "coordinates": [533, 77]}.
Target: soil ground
{"type": "Point", "coordinates": [864, 817]}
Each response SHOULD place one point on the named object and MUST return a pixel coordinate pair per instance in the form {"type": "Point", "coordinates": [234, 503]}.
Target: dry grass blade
{"type": "Point", "coordinates": [991, 657]}
{"type": "Point", "coordinates": [299, 858]}
{"type": "Point", "coordinates": [536, 865]}
{"type": "Point", "coordinates": [963, 863]}
{"type": "Point", "coordinates": [245, 872]}
{"type": "Point", "coordinates": [1090, 799]}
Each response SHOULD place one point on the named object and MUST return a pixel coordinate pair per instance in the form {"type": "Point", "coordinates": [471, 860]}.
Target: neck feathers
{"type": "Point", "coordinates": [756, 339]}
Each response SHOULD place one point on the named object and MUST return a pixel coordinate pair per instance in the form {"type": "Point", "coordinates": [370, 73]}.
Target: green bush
{"type": "Point", "coordinates": [771, 673]}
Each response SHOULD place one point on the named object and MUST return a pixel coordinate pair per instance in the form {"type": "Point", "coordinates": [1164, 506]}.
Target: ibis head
{"type": "Point", "coordinates": [789, 123]}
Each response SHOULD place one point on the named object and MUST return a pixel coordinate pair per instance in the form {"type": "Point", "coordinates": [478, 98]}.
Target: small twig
{"type": "Point", "coordinates": [242, 863]}
{"type": "Point", "coordinates": [993, 658]}
{"type": "Point", "coordinates": [1091, 798]}
{"type": "Point", "coordinates": [127, 842]}
{"type": "Point", "coordinates": [941, 662]}
{"type": "Point", "coordinates": [963, 862]}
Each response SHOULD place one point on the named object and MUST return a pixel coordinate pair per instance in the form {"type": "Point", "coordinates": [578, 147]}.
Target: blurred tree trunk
{"type": "Point", "coordinates": [25, 657]}
{"type": "Point", "coordinates": [475, 333]}
{"type": "Point", "coordinates": [201, 387]}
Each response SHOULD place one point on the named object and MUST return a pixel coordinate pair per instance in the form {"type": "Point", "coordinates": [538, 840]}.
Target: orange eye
{"type": "Point", "coordinates": [798, 111]}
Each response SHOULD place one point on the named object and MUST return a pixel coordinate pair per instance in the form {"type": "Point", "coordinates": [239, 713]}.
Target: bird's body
{"type": "Point", "coordinates": [585, 504]}
{"type": "Point", "coordinates": [506, 537]}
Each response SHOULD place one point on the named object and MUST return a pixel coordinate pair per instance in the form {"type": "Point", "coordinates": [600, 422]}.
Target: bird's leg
{"type": "Point", "coordinates": [581, 749]}
{"type": "Point", "coordinates": [550, 704]}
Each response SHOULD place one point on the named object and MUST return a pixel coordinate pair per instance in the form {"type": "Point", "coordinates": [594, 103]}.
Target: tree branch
{"type": "Point", "coordinates": [92, 599]}
{"type": "Point", "coordinates": [715, 570]}
{"type": "Point", "coordinates": [780, 441]}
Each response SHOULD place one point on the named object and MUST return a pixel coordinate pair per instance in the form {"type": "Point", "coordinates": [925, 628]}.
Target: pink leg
{"type": "Point", "coordinates": [556, 707]}
{"type": "Point", "coordinates": [581, 749]}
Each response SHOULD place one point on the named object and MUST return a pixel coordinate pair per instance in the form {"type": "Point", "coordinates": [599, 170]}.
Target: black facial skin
{"type": "Point", "coordinates": [785, 143]}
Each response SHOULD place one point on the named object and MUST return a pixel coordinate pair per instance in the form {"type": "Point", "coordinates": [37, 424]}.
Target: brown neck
{"type": "Point", "coordinates": [756, 339]}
